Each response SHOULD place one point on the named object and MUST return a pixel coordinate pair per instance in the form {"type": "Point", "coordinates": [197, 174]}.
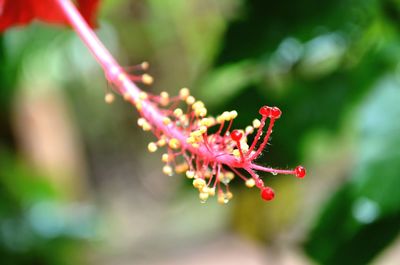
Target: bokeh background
{"type": "Point", "coordinates": [77, 185]}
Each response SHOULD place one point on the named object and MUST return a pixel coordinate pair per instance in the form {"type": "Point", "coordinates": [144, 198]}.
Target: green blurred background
{"type": "Point", "coordinates": [77, 185]}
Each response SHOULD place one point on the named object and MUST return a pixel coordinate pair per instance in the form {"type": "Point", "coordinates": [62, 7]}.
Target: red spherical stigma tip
{"type": "Point", "coordinates": [236, 135]}
{"type": "Point", "coordinates": [267, 193]}
{"type": "Point", "coordinates": [300, 172]}
{"type": "Point", "coordinates": [265, 111]}
{"type": "Point", "coordinates": [275, 113]}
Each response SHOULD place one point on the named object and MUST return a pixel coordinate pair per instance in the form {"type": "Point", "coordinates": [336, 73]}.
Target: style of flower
{"type": "Point", "coordinates": [210, 160]}
{"type": "Point", "coordinates": [203, 147]}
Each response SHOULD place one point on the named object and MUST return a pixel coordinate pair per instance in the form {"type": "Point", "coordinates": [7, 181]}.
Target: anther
{"type": "Point", "coordinates": [164, 98]}
{"type": "Point", "coordinates": [256, 123]}
{"type": "Point", "coordinates": [250, 183]}
{"type": "Point", "coordinates": [143, 95]}
{"type": "Point", "coordinates": [184, 93]}
{"type": "Point", "coordinates": [145, 65]}
{"type": "Point", "coordinates": [126, 96]}
{"type": "Point", "coordinates": [211, 191]}
{"type": "Point", "coordinates": [203, 196]}
{"type": "Point", "coordinates": [166, 120]}
{"type": "Point", "coordinates": [190, 174]}
{"type": "Point", "coordinates": [190, 100]}
{"type": "Point", "coordinates": [165, 158]}
{"type": "Point", "coordinates": [152, 147]}
{"type": "Point", "coordinates": [178, 112]}
{"type": "Point", "coordinates": [199, 183]}
{"type": "Point", "coordinates": [174, 143]}
{"type": "Point", "coordinates": [109, 98]}
{"type": "Point", "coordinates": [180, 168]}
{"type": "Point", "coordinates": [147, 79]}
{"type": "Point", "coordinates": [249, 129]}
{"type": "Point", "coordinates": [167, 170]}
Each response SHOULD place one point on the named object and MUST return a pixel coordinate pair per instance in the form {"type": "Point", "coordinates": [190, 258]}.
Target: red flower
{"type": "Point", "coordinates": [22, 12]}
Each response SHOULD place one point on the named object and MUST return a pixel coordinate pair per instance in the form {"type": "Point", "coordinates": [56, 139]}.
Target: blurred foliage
{"type": "Point", "coordinates": [36, 225]}
{"type": "Point", "coordinates": [364, 215]}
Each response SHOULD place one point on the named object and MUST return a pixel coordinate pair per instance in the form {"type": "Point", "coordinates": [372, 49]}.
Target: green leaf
{"type": "Point", "coordinates": [363, 217]}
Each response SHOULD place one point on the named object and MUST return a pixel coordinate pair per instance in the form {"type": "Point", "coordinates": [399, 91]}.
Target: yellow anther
{"type": "Point", "coordinates": [221, 198]}
{"type": "Point", "coordinates": [190, 100]}
{"type": "Point", "coordinates": [147, 79]}
{"type": "Point", "coordinates": [220, 119]}
{"type": "Point", "coordinates": [178, 112]}
{"type": "Point", "coordinates": [250, 183]}
{"type": "Point", "coordinates": [138, 105]}
{"type": "Point", "coordinates": [203, 196]}
{"type": "Point", "coordinates": [161, 142]}
{"type": "Point", "coordinates": [180, 168]}
{"type": "Point", "coordinates": [143, 95]}
{"type": "Point", "coordinates": [165, 158]}
{"type": "Point", "coordinates": [226, 116]}
{"type": "Point", "coordinates": [204, 189]}
{"type": "Point", "coordinates": [167, 170]}
{"type": "Point", "coordinates": [211, 191]}
{"type": "Point", "coordinates": [190, 140]}
{"type": "Point", "coordinates": [229, 195]}
{"type": "Point", "coordinates": [249, 129]}
{"type": "Point", "coordinates": [206, 122]}
{"type": "Point", "coordinates": [166, 120]}
{"type": "Point", "coordinates": [109, 98]}
{"type": "Point", "coordinates": [256, 123]}
{"type": "Point", "coordinates": [183, 119]}
{"type": "Point", "coordinates": [141, 121]}
{"type": "Point", "coordinates": [199, 183]}
{"type": "Point", "coordinates": [146, 127]}
{"type": "Point", "coordinates": [126, 96]}
{"type": "Point", "coordinates": [200, 112]}
{"type": "Point", "coordinates": [233, 114]}
{"type": "Point", "coordinates": [236, 153]}
{"type": "Point", "coordinates": [195, 145]}
{"type": "Point", "coordinates": [152, 147]}
{"type": "Point", "coordinates": [229, 175]}
{"type": "Point", "coordinates": [122, 77]}
{"type": "Point", "coordinates": [174, 143]}
{"type": "Point", "coordinates": [244, 145]}
{"type": "Point", "coordinates": [184, 93]}
{"type": "Point", "coordinates": [198, 105]}
{"type": "Point", "coordinates": [145, 65]}
{"type": "Point", "coordinates": [207, 174]}
{"type": "Point", "coordinates": [190, 174]}
{"type": "Point", "coordinates": [164, 98]}
{"type": "Point", "coordinates": [196, 134]}
{"type": "Point", "coordinates": [203, 129]}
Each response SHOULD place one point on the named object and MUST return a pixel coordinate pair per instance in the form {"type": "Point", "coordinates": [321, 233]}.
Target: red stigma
{"type": "Point", "coordinates": [265, 111]}
{"type": "Point", "coordinates": [236, 135]}
{"type": "Point", "coordinates": [275, 113]}
{"type": "Point", "coordinates": [300, 172]}
{"type": "Point", "coordinates": [267, 193]}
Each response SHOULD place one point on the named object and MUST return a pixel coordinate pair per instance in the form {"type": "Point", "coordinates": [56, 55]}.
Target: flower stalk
{"type": "Point", "coordinates": [211, 160]}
